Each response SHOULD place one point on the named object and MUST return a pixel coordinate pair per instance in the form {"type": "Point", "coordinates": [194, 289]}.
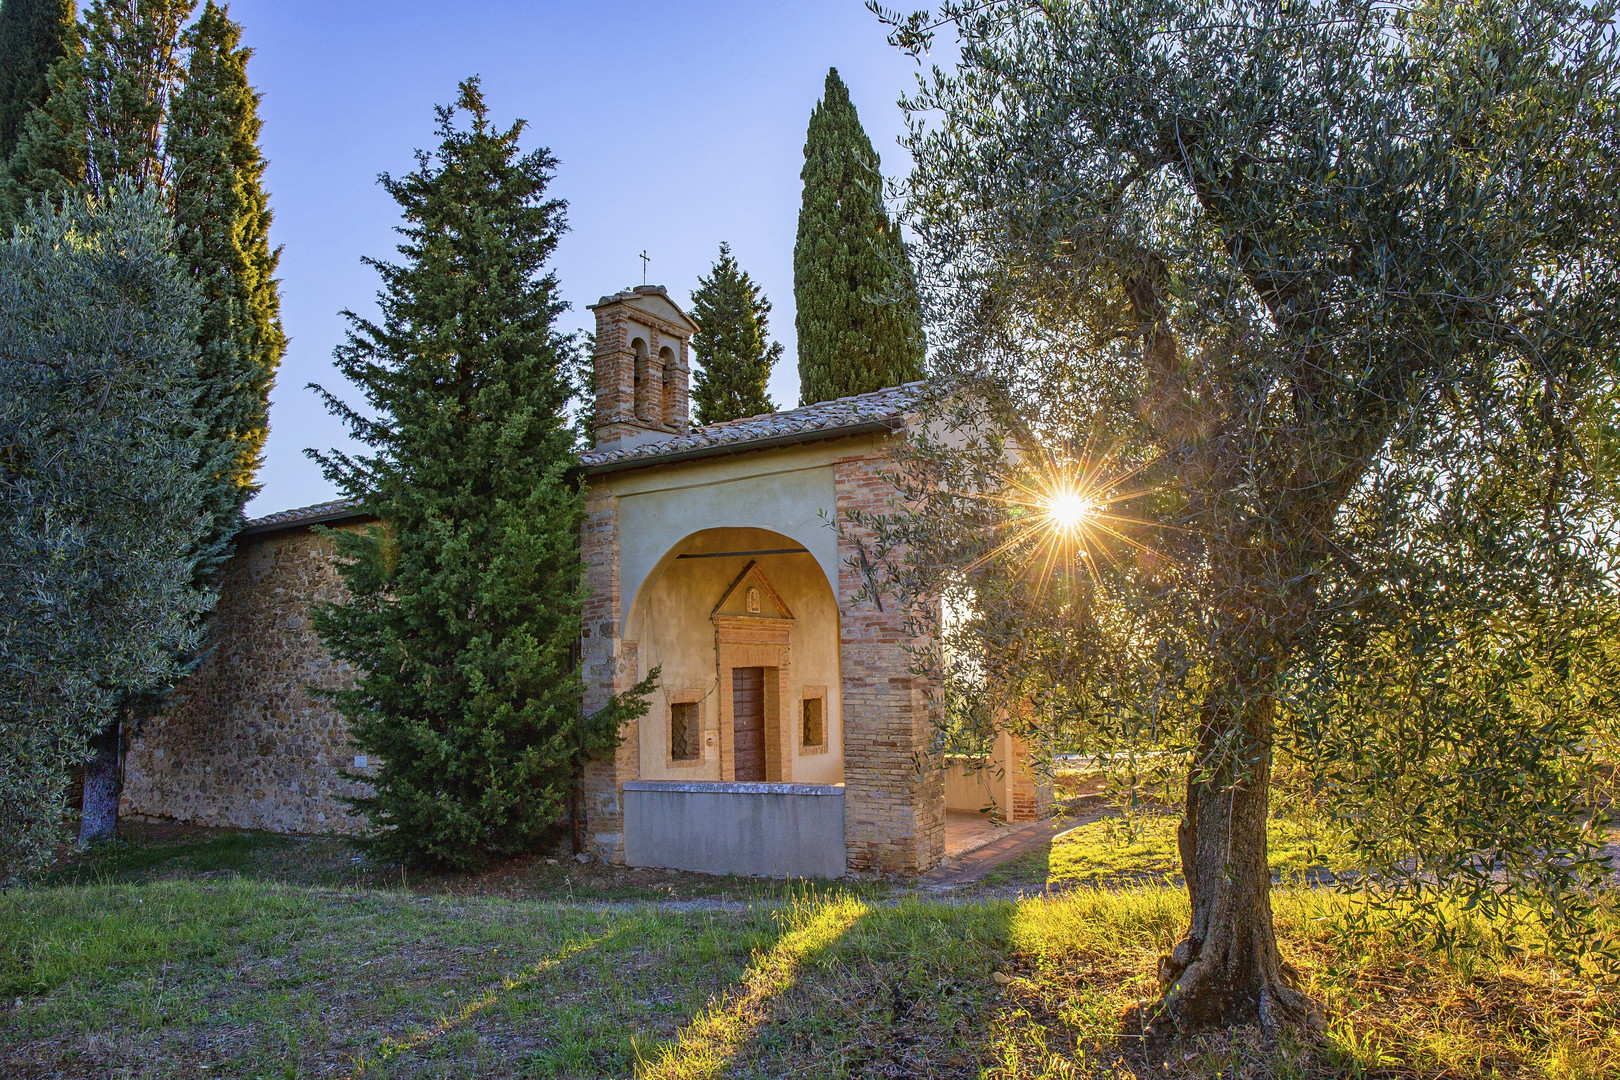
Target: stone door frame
{"type": "Point", "coordinates": [744, 642]}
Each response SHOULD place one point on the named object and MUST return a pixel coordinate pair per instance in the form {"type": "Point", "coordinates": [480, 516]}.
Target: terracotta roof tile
{"type": "Point", "coordinates": [888, 404]}
{"type": "Point", "coordinates": [336, 510]}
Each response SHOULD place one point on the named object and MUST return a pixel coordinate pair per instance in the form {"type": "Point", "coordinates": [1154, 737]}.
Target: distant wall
{"type": "Point", "coordinates": [245, 744]}
{"type": "Point", "coordinates": [1004, 781]}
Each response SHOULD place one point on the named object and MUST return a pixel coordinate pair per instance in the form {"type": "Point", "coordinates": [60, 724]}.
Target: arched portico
{"type": "Point", "coordinates": [743, 626]}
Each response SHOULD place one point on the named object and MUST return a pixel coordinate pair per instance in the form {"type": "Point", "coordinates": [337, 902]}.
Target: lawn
{"type": "Point", "coordinates": [1118, 851]}
{"type": "Point", "coordinates": [234, 976]}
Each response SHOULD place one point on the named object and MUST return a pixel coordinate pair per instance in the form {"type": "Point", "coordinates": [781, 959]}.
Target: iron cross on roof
{"type": "Point", "coordinates": [644, 260]}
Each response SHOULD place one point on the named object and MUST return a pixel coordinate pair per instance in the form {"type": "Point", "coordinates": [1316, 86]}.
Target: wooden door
{"type": "Point", "coordinates": [748, 720]}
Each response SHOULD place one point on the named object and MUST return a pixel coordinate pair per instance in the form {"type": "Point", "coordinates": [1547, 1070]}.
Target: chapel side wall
{"type": "Point", "coordinates": [245, 744]}
{"type": "Point", "coordinates": [894, 799]}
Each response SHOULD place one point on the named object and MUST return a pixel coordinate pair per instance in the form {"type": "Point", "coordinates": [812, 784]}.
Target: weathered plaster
{"type": "Point", "coordinates": [670, 622]}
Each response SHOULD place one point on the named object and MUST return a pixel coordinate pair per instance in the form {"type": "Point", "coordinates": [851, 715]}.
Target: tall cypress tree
{"type": "Point", "coordinates": [223, 218]}
{"type": "Point", "coordinates": [34, 36]}
{"type": "Point", "coordinates": [858, 316]}
{"type": "Point", "coordinates": [50, 155]}
{"type": "Point", "coordinates": [733, 345]}
{"type": "Point", "coordinates": [107, 111]}
{"type": "Point", "coordinates": [465, 605]}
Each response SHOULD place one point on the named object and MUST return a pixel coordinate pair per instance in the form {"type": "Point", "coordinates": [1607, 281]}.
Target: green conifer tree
{"type": "Point", "coordinates": [733, 344]}
{"type": "Point", "coordinates": [858, 316]}
{"type": "Point", "coordinates": [464, 606]}
{"type": "Point", "coordinates": [140, 100]}
{"type": "Point", "coordinates": [51, 155]}
{"type": "Point", "coordinates": [223, 218]}
{"type": "Point", "coordinates": [34, 35]}
{"type": "Point", "coordinates": [107, 111]}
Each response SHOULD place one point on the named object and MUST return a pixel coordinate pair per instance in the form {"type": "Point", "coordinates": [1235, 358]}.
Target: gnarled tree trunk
{"type": "Point", "coordinates": [1226, 970]}
{"type": "Point", "coordinates": [98, 819]}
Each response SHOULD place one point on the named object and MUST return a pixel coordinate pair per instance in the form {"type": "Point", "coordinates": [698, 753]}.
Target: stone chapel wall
{"type": "Point", "coordinates": [245, 744]}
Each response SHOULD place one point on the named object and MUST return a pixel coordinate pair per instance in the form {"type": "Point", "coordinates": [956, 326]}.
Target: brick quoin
{"type": "Point", "coordinates": [894, 800]}
{"type": "Point", "coordinates": [609, 668]}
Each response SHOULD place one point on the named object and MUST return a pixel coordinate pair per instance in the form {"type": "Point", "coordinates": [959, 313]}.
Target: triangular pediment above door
{"type": "Point", "coordinates": [751, 596]}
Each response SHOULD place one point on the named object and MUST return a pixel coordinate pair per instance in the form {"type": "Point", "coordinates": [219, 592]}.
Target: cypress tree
{"type": "Point", "coordinates": [34, 35]}
{"type": "Point", "coordinates": [732, 344]}
{"type": "Point", "coordinates": [223, 219]}
{"type": "Point", "coordinates": [51, 155]}
{"type": "Point", "coordinates": [107, 109]}
{"type": "Point", "coordinates": [858, 315]}
{"type": "Point", "coordinates": [137, 102]}
{"type": "Point", "coordinates": [132, 66]}
{"type": "Point", "coordinates": [464, 606]}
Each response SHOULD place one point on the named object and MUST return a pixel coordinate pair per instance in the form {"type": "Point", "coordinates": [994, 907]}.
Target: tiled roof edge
{"type": "Point", "coordinates": [823, 420]}
{"type": "Point", "coordinates": [325, 513]}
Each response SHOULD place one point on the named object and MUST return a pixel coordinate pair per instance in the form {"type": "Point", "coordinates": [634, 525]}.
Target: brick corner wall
{"type": "Point", "coordinates": [894, 797]}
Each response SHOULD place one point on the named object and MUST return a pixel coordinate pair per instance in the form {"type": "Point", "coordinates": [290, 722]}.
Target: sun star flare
{"type": "Point", "coordinates": [1067, 510]}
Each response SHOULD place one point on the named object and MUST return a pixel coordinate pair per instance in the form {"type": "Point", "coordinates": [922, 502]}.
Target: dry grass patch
{"type": "Point", "coordinates": [1078, 961]}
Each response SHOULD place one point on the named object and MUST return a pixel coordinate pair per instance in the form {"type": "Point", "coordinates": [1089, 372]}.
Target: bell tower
{"type": "Point", "coordinates": [642, 374]}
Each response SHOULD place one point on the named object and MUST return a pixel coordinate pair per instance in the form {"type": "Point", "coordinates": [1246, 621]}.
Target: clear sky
{"type": "Point", "coordinates": [677, 125]}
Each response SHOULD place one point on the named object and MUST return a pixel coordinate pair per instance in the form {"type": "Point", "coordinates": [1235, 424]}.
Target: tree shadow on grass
{"type": "Point", "coordinates": [148, 852]}
{"type": "Point", "coordinates": [421, 1038]}
{"type": "Point", "coordinates": [852, 990]}
{"type": "Point", "coordinates": [140, 856]}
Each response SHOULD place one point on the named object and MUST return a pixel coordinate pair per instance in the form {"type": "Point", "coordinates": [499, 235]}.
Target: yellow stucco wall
{"type": "Point", "coordinates": [670, 623]}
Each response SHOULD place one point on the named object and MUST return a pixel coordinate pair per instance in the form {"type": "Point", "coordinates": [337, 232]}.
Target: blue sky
{"type": "Point", "coordinates": [677, 125]}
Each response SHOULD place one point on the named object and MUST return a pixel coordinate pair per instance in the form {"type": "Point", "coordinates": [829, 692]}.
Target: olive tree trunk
{"type": "Point", "coordinates": [1226, 969]}
{"type": "Point", "coordinates": [98, 820]}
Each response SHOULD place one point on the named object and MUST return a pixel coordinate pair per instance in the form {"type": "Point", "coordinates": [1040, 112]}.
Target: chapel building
{"type": "Point", "coordinates": [786, 735]}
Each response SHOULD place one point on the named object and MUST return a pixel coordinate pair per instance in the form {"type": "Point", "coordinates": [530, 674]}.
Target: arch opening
{"type": "Point", "coordinates": [639, 393]}
{"type": "Point", "coordinates": [744, 627]}
{"type": "Point", "coordinates": [666, 407]}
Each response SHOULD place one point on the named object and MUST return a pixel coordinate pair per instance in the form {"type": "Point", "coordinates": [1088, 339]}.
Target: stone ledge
{"type": "Point", "coordinates": [733, 787]}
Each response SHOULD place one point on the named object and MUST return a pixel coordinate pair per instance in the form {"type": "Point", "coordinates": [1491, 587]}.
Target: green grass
{"type": "Point", "coordinates": [1116, 852]}
{"type": "Point", "coordinates": [232, 976]}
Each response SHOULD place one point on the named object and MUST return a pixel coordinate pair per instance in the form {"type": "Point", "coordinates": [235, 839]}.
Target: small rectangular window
{"type": "Point", "coordinates": [815, 722]}
{"type": "Point", "coordinates": [684, 735]}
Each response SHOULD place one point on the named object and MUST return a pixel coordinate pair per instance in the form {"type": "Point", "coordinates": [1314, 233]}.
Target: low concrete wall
{"type": "Point", "coordinates": [781, 830]}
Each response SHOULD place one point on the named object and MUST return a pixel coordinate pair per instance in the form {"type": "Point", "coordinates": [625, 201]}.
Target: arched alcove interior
{"type": "Point", "coordinates": [739, 620]}
{"type": "Point", "coordinates": [639, 347]}
{"type": "Point", "coordinates": [666, 409]}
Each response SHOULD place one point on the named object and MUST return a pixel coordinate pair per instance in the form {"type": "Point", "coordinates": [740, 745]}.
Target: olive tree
{"type": "Point", "coordinates": [99, 503]}
{"type": "Point", "coordinates": [1274, 333]}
